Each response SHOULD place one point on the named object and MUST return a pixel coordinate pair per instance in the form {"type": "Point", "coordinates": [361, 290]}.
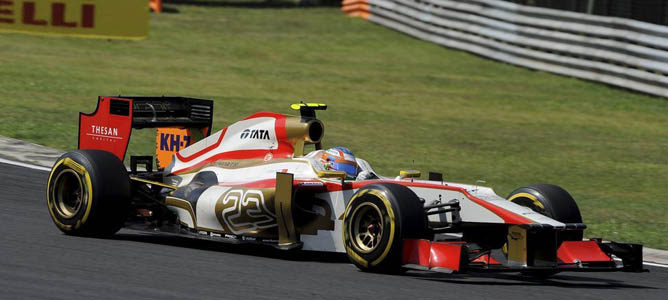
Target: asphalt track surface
{"type": "Point", "coordinates": [38, 261]}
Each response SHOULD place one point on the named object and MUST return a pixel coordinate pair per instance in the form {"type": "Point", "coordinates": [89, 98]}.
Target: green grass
{"type": "Point", "coordinates": [396, 101]}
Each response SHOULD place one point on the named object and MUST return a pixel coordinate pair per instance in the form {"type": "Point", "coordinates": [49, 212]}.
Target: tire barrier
{"type": "Point", "coordinates": [356, 8]}
{"type": "Point", "coordinates": [620, 52]}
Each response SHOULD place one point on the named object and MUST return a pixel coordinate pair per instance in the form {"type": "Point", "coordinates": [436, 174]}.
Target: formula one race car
{"type": "Point", "coordinates": [253, 182]}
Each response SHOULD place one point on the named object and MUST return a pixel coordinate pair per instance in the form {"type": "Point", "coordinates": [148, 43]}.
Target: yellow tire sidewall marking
{"type": "Point", "coordinates": [390, 212]}
{"type": "Point", "coordinates": [350, 252]}
{"type": "Point", "coordinates": [78, 168]}
{"type": "Point", "coordinates": [49, 203]}
{"type": "Point", "coordinates": [533, 199]}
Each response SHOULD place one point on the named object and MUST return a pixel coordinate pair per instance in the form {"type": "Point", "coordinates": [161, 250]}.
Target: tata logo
{"type": "Point", "coordinates": [259, 134]}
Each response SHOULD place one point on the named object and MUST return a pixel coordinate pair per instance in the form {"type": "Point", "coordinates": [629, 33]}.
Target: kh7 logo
{"type": "Point", "coordinates": [259, 134]}
{"type": "Point", "coordinates": [172, 142]}
{"type": "Point", "coordinates": [244, 211]}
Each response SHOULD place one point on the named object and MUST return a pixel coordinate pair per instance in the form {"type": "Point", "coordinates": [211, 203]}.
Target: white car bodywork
{"type": "Point", "coordinates": [245, 158]}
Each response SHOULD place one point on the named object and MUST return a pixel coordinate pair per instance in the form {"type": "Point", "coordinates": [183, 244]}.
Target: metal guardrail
{"type": "Point", "coordinates": [651, 11]}
{"type": "Point", "coordinates": [615, 51]}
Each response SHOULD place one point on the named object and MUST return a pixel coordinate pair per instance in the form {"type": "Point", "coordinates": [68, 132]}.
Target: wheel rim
{"type": "Point", "coordinates": [68, 193]}
{"type": "Point", "coordinates": [366, 227]}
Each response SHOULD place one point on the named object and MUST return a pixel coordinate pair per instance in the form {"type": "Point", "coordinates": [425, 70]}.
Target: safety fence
{"type": "Point", "coordinates": [616, 51]}
{"type": "Point", "coordinates": [651, 11]}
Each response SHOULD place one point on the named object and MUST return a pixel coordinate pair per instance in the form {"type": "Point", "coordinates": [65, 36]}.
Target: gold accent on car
{"type": "Point", "coordinates": [315, 221]}
{"type": "Point", "coordinates": [517, 245]}
{"type": "Point", "coordinates": [287, 234]}
{"type": "Point", "coordinates": [154, 183]}
{"type": "Point", "coordinates": [299, 148]}
{"type": "Point", "coordinates": [301, 132]}
{"type": "Point", "coordinates": [332, 174]}
{"type": "Point", "coordinates": [183, 204]}
{"type": "Point", "coordinates": [68, 194]}
{"type": "Point", "coordinates": [366, 227]}
{"type": "Point", "coordinates": [247, 212]}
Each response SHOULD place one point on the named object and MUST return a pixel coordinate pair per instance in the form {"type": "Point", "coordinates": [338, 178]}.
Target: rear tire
{"type": "Point", "coordinates": [88, 193]}
{"type": "Point", "coordinates": [376, 221]}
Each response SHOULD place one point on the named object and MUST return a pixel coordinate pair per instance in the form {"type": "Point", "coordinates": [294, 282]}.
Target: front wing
{"type": "Point", "coordinates": [582, 256]}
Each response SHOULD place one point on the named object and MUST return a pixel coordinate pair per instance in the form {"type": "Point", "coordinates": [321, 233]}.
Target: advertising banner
{"type": "Point", "coordinates": [91, 18]}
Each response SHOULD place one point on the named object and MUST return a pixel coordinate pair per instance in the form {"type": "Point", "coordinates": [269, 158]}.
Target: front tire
{"type": "Point", "coordinates": [552, 201]}
{"type": "Point", "coordinates": [376, 221]}
{"type": "Point", "coordinates": [88, 193]}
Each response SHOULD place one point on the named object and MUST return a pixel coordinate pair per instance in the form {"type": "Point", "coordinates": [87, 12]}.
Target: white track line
{"type": "Point", "coordinates": [34, 167]}
{"type": "Point", "coordinates": [654, 264]}
{"type": "Point", "coordinates": [20, 164]}
{"type": "Point", "coordinates": [646, 263]}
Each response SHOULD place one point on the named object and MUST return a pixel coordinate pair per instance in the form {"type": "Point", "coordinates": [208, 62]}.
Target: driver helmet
{"type": "Point", "coordinates": [340, 159]}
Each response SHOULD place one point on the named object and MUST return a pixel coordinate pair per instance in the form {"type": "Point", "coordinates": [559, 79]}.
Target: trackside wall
{"type": "Point", "coordinates": [621, 52]}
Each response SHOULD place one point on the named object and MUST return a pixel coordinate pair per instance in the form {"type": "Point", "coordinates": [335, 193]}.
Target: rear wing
{"type": "Point", "coordinates": [179, 121]}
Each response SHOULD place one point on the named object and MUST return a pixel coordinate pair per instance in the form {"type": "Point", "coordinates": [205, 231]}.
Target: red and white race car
{"type": "Point", "coordinates": [254, 182]}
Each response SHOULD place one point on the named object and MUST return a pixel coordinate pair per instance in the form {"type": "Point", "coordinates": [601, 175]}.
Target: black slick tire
{"type": "Point", "coordinates": [88, 193]}
{"type": "Point", "coordinates": [552, 201]}
{"type": "Point", "coordinates": [399, 215]}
